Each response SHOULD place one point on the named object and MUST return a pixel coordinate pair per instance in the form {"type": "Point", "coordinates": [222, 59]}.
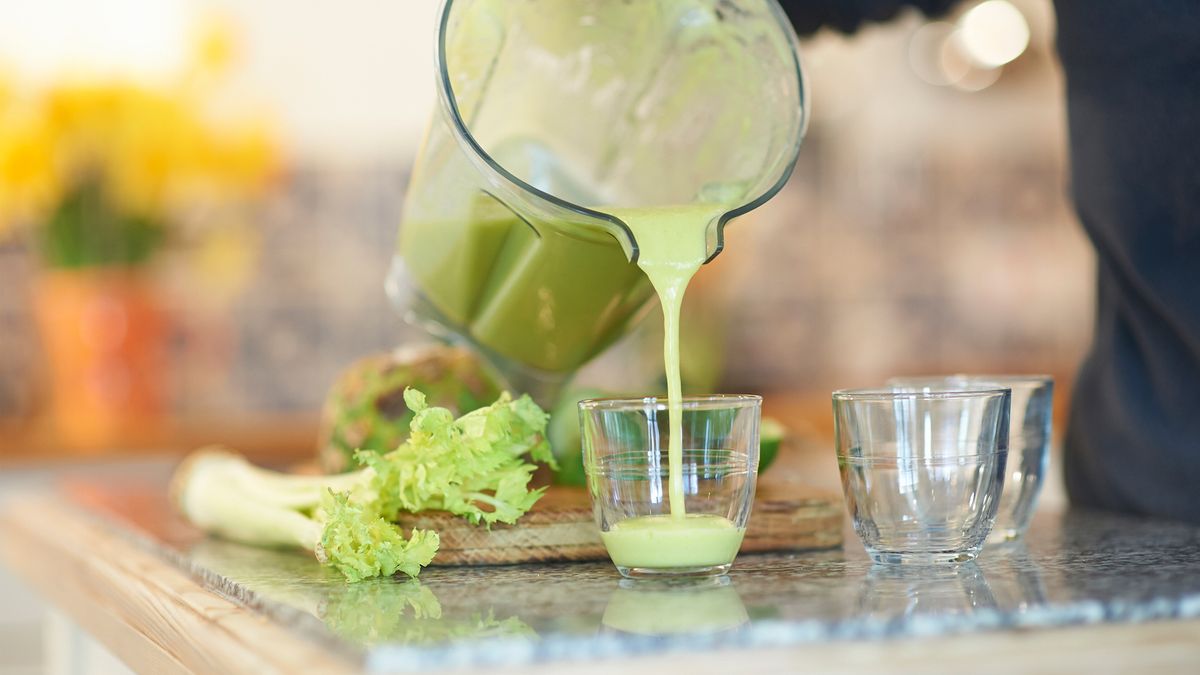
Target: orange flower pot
{"type": "Point", "coordinates": [105, 334]}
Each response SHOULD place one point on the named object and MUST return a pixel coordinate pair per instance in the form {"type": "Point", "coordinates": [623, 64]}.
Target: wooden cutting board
{"type": "Point", "coordinates": [561, 528]}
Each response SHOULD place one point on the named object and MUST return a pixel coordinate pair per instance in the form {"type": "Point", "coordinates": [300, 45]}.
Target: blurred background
{"type": "Point", "coordinates": [199, 202]}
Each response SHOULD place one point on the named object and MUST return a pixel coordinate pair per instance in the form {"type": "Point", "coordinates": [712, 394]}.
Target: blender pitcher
{"type": "Point", "coordinates": [553, 115]}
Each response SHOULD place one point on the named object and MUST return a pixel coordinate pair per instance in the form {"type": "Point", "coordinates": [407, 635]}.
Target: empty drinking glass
{"type": "Point", "coordinates": [1028, 441]}
{"type": "Point", "coordinates": [922, 470]}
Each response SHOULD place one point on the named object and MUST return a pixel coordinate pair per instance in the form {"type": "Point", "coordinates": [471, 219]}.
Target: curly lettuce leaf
{"type": "Point", "coordinates": [473, 466]}
{"type": "Point", "coordinates": [361, 544]}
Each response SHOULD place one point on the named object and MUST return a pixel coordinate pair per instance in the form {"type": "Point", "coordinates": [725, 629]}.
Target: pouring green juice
{"type": "Point", "coordinates": [672, 249]}
{"type": "Point", "coordinates": [541, 316]}
{"type": "Point", "coordinates": [547, 112]}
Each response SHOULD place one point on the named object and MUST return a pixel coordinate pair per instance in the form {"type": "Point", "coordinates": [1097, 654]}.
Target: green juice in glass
{"type": "Point", "coordinates": [658, 542]}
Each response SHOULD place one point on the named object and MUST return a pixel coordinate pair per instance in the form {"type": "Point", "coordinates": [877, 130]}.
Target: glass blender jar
{"type": "Point", "coordinates": [555, 115]}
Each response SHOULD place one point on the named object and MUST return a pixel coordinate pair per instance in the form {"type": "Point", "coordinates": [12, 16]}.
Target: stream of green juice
{"type": "Point", "coordinates": [672, 247]}
{"type": "Point", "coordinates": [671, 242]}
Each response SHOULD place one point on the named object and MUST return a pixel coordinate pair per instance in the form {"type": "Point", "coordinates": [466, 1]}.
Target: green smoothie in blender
{"type": "Point", "coordinates": [549, 300]}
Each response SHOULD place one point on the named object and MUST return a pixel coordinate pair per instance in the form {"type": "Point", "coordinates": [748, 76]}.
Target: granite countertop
{"type": "Point", "coordinates": [1073, 569]}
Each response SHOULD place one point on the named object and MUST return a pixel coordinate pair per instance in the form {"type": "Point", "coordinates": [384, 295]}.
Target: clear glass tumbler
{"type": "Point", "coordinates": [625, 456]}
{"type": "Point", "coordinates": [1029, 435]}
{"type": "Point", "coordinates": [922, 470]}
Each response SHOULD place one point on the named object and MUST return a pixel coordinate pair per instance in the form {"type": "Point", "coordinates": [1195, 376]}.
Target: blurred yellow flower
{"type": "Point", "coordinates": [28, 180]}
{"type": "Point", "coordinates": [134, 156]}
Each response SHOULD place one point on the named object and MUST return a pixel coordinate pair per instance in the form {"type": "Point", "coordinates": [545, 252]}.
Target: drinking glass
{"type": "Point", "coordinates": [922, 470]}
{"type": "Point", "coordinates": [625, 457]}
{"type": "Point", "coordinates": [1028, 441]}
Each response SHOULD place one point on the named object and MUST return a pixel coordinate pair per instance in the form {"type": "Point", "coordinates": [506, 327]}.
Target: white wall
{"type": "Point", "coordinates": [350, 81]}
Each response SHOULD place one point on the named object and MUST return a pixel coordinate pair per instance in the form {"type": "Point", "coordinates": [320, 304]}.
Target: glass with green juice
{"type": "Point", "coordinates": [630, 478]}
{"type": "Point", "coordinates": [569, 136]}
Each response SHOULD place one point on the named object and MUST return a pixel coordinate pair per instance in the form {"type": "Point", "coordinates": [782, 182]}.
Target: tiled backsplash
{"type": "Point", "coordinates": [917, 271]}
{"type": "Point", "coordinates": [946, 265]}
{"type": "Point", "coordinates": [315, 301]}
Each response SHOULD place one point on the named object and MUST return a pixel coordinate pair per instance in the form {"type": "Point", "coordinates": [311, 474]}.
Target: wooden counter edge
{"type": "Point", "coordinates": [148, 613]}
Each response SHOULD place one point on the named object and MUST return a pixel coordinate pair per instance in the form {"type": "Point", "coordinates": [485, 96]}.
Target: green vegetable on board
{"type": "Point", "coordinates": [771, 436]}
{"type": "Point", "coordinates": [474, 467]}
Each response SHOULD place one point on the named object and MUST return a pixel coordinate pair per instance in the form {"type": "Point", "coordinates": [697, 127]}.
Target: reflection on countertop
{"type": "Point", "coordinates": [674, 607]}
{"type": "Point", "coordinates": [1075, 568]}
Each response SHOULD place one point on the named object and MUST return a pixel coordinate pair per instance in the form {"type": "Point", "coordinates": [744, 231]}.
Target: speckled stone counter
{"type": "Point", "coordinates": [1078, 568]}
